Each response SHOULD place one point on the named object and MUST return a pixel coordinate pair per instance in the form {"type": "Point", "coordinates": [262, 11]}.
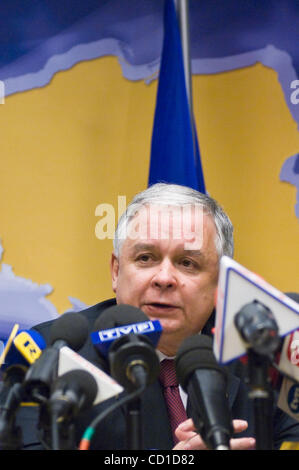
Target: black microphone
{"type": "Point", "coordinates": [22, 350]}
{"type": "Point", "coordinates": [257, 326]}
{"type": "Point", "coordinates": [71, 393]}
{"type": "Point", "coordinates": [205, 382]}
{"type": "Point", "coordinates": [71, 329]}
{"type": "Point", "coordinates": [132, 357]}
{"type": "Point", "coordinates": [133, 362]}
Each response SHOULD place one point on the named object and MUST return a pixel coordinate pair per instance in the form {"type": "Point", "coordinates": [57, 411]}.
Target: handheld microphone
{"type": "Point", "coordinates": [71, 330]}
{"type": "Point", "coordinates": [129, 338]}
{"type": "Point", "coordinates": [205, 382]}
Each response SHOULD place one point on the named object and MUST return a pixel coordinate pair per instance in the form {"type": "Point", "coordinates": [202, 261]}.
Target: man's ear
{"type": "Point", "coordinates": [114, 268]}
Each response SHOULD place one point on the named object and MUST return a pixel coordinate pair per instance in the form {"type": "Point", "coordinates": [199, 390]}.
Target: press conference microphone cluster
{"type": "Point", "coordinates": [252, 317]}
{"type": "Point", "coordinates": [22, 348]}
{"type": "Point", "coordinates": [259, 330]}
{"type": "Point", "coordinates": [61, 397]}
{"type": "Point", "coordinates": [126, 337]}
{"type": "Point", "coordinates": [37, 378]}
{"type": "Point", "coordinates": [205, 382]}
{"type": "Point", "coordinates": [71, 393]}
{"type": "Point", "coordinates": [70, 330]}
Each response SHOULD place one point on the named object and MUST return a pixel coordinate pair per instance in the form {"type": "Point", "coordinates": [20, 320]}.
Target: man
{"type": "Point", "coordinates": [167, 249]}
{"type": "Point", "coordinates": [169, 266]}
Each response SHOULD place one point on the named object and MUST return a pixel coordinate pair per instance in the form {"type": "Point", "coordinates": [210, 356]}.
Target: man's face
{"type": "Point", "coordinates": [171, 278]}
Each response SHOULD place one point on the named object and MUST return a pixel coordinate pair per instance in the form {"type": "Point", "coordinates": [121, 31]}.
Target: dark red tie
{"type": "Point", "coordinates": [176, 410]}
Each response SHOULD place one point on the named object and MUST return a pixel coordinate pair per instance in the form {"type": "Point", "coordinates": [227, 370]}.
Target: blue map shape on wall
{"type": "Point", "coordinates": [290, 174]}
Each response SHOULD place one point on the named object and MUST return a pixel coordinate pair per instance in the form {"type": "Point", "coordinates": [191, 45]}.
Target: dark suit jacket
{"type": "Point", "coordinates": [112, 433]}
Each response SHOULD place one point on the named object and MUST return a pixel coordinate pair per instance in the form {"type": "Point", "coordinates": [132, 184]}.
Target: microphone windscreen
{"type": "Point", "coordinates": [70, 327]}
{"type": "Point", "coordinates": [119, 315]}
{"type": "Point", "coordinates": [195, 352]}
{"type": "Point", "coordinates": [81, 381]}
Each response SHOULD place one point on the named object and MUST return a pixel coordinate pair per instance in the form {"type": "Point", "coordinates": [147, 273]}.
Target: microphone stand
{"type": "Point", "coordinates": [133, 414]}
{"type": "Point", "coordinates": [134, 425]}
{"type": "Point", "coordinates": [56, 434]}
{"type": "Point", "coordinates": [10, 434]}
{"type": "Point", "coordinates": [262, 399]}
{"type": "Point", "coordinates": [134, 364]}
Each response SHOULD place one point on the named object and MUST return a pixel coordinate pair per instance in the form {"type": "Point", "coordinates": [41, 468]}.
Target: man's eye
{"type": "Point", "coordinates": [188, 263]}
{"type": "Point", "coordinates": [144, 258]}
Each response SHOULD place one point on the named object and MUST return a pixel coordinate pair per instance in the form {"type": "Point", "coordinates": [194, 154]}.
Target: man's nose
{"type": "Point", "coordinates": [164, 277]}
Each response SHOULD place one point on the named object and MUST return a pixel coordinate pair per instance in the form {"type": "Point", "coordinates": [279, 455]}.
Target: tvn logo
{"type": "Point", "coordinates": [28, 348]}
{"type": "Point", "coordinates": [137, 328]}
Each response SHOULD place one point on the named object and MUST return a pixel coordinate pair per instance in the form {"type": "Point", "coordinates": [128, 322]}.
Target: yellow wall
{"type": "Point", "coordinates": [85, 139]}
{"type": "Point", "coordinates": [246, 133]}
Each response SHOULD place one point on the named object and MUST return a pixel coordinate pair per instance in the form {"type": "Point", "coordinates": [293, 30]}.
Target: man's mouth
{"type": "Point", "coordinates": [159, 307]}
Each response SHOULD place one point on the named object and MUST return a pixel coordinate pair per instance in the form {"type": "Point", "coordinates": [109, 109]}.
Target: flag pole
{"type": "Point", "coordinates": [182, 9]}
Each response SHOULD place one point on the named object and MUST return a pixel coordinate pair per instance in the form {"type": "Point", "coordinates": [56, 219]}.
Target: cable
{"type": "Point", "coordinates": [90, 430]}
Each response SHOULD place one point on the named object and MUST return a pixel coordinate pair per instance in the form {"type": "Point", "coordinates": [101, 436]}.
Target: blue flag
{"type": "Point", "coordinates": [175, 156]}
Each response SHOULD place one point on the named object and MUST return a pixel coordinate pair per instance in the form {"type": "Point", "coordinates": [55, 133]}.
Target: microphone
{"type": "Point", "coordinates": [69, 360]}
{"type": "Point", "coordinates": [257, 326]}
{"type": "Point", "coordinates": [126, 335]}
{"type": "Point", "coordinates": [20, 350]}
{"type": "Point", "coordinates": [122, 320]}
{"type": "Point", "coordinates": [205, 382]}
{"type": "Point", "coordinates": [259, 306]}
{"type": "Point", "coordinates": [24, 348]}
{"type": "Point", "coordinates": [71, 393]}
{"type": "Point", "coordinates": [71, 329]}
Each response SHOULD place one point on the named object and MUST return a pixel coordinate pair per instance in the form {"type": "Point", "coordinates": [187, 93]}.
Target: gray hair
{"type": "Point", "coordinates": [176, 195]}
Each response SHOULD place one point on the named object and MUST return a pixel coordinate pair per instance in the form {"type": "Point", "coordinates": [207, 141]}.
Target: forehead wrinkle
{"type": "Point", "coordinates": [195, 253]}
{"type": "Point", "coordinates": [152, 247]}
{"type": "Point", "coordinates": [142, 246]}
